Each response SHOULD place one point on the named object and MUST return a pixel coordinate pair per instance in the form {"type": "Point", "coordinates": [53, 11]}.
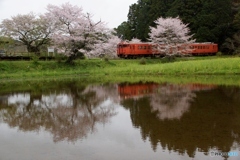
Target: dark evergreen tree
{"type": "Point", "coordinates": [209, 20]}
{"type": "Point", "coordinates": [132, 20]}
{"type": "Point", "coordinates": [141, 15]}
{"type": "Point", "coordinates": [232, 43]}
{"type": "Point", "coordinates": [123, 31]}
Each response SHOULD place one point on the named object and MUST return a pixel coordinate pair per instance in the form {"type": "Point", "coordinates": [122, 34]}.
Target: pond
{"type": "Point", "coordinates": [72, 120]}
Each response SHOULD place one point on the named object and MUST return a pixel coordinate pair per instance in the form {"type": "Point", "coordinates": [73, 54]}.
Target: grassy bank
{"type": "Point", "coordinates": [98, 67]}
{"type": "Point", "coordinates": [43, 84]}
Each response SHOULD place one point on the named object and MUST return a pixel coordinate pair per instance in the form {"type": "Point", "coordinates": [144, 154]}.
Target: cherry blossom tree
{"type": "Point", "coordinates": [171, 36]}
{"type": "Point", "coordinates": [32, 30]}
{"type": "Point", "coordinates": [106, 48]}
{"type": "Point", "coordinates": [76, 32]}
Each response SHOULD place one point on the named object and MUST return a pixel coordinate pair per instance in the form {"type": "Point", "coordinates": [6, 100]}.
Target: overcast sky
{"type": "Point", "coordinates": [114, 12]}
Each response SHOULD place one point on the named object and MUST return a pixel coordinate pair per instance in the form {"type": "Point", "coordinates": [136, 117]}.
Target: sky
{"type": "Point", "coordinates": [113, 12]}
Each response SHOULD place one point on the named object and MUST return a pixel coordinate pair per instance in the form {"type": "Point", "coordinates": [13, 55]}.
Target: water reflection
{"type": "Point", "coordinates": [183, 119]}
{"type": "Point", "coordinates": [188, 118]}
{"type": "Point", "coordinates": [68, 115]}
{"type": "Point", "coordinates": [167, 100]}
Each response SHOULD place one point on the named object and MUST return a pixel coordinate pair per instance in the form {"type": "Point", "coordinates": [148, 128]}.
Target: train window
{"type": "Point", "coordinates": [122, 46]}
{"type": "Point", "coordinates": [144, 47]}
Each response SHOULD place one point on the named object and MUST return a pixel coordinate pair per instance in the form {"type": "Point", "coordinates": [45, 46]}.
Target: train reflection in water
{"type": "Point", "coordinates": [138, 90]}
{"type": "Point", "coordinates": [169, 101]}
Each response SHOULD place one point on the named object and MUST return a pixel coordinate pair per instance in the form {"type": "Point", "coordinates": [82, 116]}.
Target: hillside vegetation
{"type": "Point", "coordinates": [215, 21]}
{"type": "Point", "coordinates": [139, 67]}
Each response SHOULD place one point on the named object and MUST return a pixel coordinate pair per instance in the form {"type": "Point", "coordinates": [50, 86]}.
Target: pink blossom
{"type": "Point", "coordinates": [170, 34]}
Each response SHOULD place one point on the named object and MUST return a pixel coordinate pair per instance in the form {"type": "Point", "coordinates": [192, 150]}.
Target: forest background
{"type": "Point", "coordinates": [215, 21]}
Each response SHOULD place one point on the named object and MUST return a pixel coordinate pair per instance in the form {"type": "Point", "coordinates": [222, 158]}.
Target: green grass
{"type": "Point", "coordinates": [46, 83]}
{"type": "Point", "coordinates": [97, 67]}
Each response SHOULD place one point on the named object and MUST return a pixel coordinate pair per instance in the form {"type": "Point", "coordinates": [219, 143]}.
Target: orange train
{"type": "Point", "coordinates": [134, 50]}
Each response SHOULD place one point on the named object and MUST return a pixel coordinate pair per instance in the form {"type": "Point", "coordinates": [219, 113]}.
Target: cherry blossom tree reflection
{"type": "Point", "coordinates": [68, 115]}
{"type": "Point", "coordinates": [171, 101]}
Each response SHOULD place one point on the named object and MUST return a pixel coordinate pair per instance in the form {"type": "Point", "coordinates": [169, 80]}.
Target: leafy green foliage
{"type": "Point", "coordinates": [209, 21]}
{"type": "Point", "coordinates": [5, 42]}
{"type": "Point", "coordinates": [142, 61]}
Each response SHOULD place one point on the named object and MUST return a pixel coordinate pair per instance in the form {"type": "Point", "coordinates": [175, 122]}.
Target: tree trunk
{"type": "Point", "coordinates": [33, 49]}
{"type": "Point", "coordinates": [70, 59]}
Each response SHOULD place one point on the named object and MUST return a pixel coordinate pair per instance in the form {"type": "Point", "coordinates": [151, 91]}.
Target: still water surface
{"type": "Point", "coordinates": [143, 121]}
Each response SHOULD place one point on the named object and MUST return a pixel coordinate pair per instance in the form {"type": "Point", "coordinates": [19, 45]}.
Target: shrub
{"type": "Point", "coordinates": [35, 59]}
{"type": "Point", "coordinates": [142, 61]}
{"type": "Point", "coordinates": [106, 59]}
{"type": "Point", "coordinates": [219, 54]}
{"type": "Point", "coordinates": [168, 58]}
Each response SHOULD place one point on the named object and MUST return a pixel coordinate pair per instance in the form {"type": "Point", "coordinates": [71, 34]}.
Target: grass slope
{"type": "Point", "coordinates": [98, 67]}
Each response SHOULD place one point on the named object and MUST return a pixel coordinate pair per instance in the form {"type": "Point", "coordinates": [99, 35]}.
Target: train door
{"type": "Point", "coordinates": [132, 49]}
{"type": "Point", "coordinates": [120, 49]}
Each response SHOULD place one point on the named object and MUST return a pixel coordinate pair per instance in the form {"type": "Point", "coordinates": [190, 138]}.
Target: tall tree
{"type": "Point", "coordinates": [208, 20]}
{"type": "Point", "coordinates": [232, 43]}
{"type": "Point", "coordinates": [33, 31]}
{"type": "Point", "coordinates": [141, 15]}
{"type": "Point", "coordinates": [123, 31]}
{"type": "Point", "coordinates": [106, 48]}
{"type": "Point", "coordinates": [76, 32]}
{"type": "Point", "coordinates": [132, 20]}
{"type": "Point", "coordinates": [169, 34]}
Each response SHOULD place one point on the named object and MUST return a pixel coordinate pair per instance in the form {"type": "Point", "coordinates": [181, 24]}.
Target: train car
{"type": "Point", "coordinates": [203, 49]}
{"type": "Point", "coordinates": [134, 50]}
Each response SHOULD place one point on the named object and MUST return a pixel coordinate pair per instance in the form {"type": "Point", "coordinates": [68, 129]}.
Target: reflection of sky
{"type": "Point", "coordinates": [19, 98]}
{"type": "Point", "coordinates": [54, 101]}
{"type": "Point", "coordinates": [117, 140]}
{"type": "Point", "coordinates": [51, 101]}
